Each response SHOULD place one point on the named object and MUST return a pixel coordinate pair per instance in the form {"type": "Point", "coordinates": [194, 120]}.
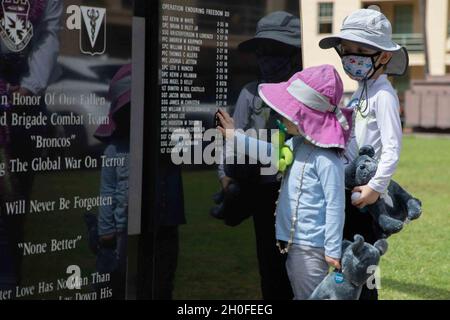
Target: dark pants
{"type": "Point", "coordinates": [113, 261]}
{"type": "Point", "coordinates": [275, 283]}
{"type": "Point", "coordinates": [158, 278]}
{"type": "Point", "coordinates": [357, 222]}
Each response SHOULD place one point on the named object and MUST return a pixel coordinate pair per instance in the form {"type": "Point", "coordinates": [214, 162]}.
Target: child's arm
{"type": "Point", "coordinates": [121, 193]}
{"type": "Point", "coordinates": [249, 145]}
{"type": "Point", "coordinates": [331, 174]}
{"type": "Point", "coordinates": [389, 124]}
{"type": "Point", "coordinates": [106, 224]}
{"type": "Point", "coordinates": [388, 120]}
{"type": "Point", "coordinates": [241, 118]}
{"type": "Point", "coordinates": [252, 146]}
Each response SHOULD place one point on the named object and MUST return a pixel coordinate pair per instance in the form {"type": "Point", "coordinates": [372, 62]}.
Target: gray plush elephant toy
{"type": "Point", "coordinates": [395, 208]}
{"type": "Point", "coordinates": [357, 259]}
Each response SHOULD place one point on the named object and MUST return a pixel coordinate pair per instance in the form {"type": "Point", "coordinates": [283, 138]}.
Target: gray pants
{"type": "Point", "coordinates": [306, 268]}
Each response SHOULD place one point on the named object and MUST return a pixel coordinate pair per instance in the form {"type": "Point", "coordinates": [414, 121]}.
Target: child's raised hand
{"type": "Point", "coordinates": [226, 126]}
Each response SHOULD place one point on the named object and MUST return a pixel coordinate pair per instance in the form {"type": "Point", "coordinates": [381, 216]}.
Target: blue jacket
{"type": "Point", "coordinates": [319, 199]}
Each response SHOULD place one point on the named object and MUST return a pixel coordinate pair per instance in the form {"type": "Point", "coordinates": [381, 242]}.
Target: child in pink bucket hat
{"type": "Point", "coordinates": [310, 209]}
{"type": "Point", "coordinates": [120, 96]}
{"type": "Point", "coordinates": [310, 100]}
{"type": "Point", "coordinates": [112, 219]}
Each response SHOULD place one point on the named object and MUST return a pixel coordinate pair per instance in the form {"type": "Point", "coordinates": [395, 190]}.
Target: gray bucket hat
{"type": "Point", "coordinates": [372, 29]}
{"type": "Point", "coordinates": [279, 26]}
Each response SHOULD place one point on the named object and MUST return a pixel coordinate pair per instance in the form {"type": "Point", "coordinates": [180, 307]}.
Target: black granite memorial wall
{"type": "Point", "coordinates": [197, 67]}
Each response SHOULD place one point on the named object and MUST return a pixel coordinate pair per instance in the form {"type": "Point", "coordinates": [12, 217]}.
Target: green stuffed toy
{"type": "Point", "coordinates": [285, 155]}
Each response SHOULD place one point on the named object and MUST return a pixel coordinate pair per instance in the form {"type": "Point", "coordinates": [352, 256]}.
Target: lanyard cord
{"type": "Point", "coordinates": [294, 220]}
{"type": "Point", "coordinates": [257, 109]}
{"type": "Point", "coordinates": [364, 93]}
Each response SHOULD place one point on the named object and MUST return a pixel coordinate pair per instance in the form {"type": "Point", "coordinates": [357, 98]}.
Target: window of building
{"type": "Point", "coordinates": [448, 21]}
{"type": "Point", "coordinates": [325, 17]}
{"type": "Point", "coordinates": [403, 21]}
{"type": "Point", "coordinates": [404, 30]}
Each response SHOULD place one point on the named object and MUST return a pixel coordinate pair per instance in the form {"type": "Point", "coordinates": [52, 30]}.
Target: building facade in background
{"type": "Point", "coordinates": [407, 17]}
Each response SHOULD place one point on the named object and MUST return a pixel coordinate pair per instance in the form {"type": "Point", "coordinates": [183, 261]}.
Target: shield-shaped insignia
{"type": "Point", "coordinates": [93, 30]}
{"type": "Point", "coordinates": [16, 30]}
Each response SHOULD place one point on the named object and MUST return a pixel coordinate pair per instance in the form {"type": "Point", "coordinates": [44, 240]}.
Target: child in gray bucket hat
{"type": "Point", "coordinates": [368, 56]}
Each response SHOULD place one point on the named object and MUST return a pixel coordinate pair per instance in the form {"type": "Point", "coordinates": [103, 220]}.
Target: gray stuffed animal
{"type": "Point", "coordinates": [393, 209]}
{"type": "Point", "coordinates": [357, 258]}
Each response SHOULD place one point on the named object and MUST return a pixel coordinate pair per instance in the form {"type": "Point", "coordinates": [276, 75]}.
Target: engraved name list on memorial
{"type": "Point", "coordinates": [188, 96]}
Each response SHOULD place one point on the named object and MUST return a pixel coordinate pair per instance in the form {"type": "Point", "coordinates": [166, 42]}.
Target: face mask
{"type": "Point", "coordinates": [360, 67]}
{"type": "Point", "coordinates": [274, 68]}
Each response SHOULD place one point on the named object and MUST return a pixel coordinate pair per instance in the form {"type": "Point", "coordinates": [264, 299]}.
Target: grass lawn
{"type": "Point", "coordinates": [417, 265]}
{"type": "Point", "coordinates": [218, 262]}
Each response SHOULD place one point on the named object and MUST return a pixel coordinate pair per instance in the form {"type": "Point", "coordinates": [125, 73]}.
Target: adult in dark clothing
{"type": "Point", "coordinates": [277, 46]}
{"type": "Point", "coordinates": [158, 269]}
{"type": "Point", "coordinates": [360, 223]}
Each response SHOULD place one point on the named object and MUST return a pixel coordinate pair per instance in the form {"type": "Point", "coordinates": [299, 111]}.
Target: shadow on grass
{"type": "Point", "coordinates": [421, 290]}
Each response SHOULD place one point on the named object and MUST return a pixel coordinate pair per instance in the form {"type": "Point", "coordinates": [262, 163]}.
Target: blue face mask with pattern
{"type": "Point", "coordinates": [360, 67]}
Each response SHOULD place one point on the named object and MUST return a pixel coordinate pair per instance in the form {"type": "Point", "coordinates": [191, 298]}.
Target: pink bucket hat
{"type": "Point", "coordinates": [119, 95]}
{"type": "Point", "coordinates": [310, 99]}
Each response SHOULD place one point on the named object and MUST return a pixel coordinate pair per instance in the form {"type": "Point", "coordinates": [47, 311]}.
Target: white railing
{"type": "Point", "coordinates": [413, 42]}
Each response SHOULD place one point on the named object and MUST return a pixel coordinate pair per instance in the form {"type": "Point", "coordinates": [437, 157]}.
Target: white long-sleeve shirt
{"type": "Point", "coordinates": [380, 127]}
